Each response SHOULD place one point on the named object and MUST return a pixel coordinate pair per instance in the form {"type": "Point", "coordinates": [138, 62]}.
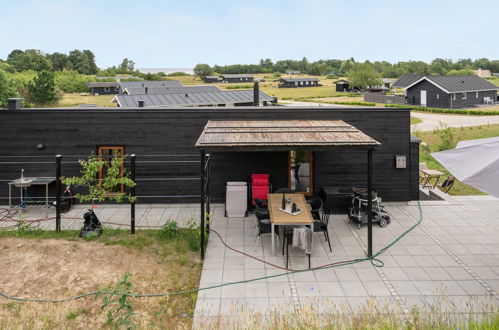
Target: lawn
{"type": "Point", "coordinates": [49, 265]}
{"type": "Point", "coordinates": [434, 143]}
{"type": "Point", "coordinates": [75, 99]}
{"type": "Point", "coordinates": [415, 120]}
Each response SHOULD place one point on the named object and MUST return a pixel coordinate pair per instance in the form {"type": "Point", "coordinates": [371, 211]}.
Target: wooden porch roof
{"type": "Point", "coordinates": [282, 135]}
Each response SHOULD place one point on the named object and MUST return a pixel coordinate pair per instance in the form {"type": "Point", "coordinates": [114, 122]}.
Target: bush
{"type": "Point", "coordinates": [439, 110]}
{"type": "Point", "coordinates": [178, 74]}
{"type": "Point", "coordinates": [447, 137]}
{"type": "Point", "coordinates": [239, 86]}
{"type": "Point", "coordinates": [168, 231]}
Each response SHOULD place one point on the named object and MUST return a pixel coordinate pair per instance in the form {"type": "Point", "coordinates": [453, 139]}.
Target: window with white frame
{"type": "Point", "coordinates": [464, 96]}
{"type": "Point", "coordinates": [455, 95]}
{"type": "Point", "coordinates": [438, 96]}
{"type": "Point", "coordinates": [476, 94]}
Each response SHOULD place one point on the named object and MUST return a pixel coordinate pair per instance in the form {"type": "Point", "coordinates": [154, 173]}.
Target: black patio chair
{"type": "Point", "coordinates": [284, 191]}
{"type": "Point", "coordinates": [321, 225]}
{"type": "Point", "coordinates": [288, 240]}
{"type": "Point", "coordinates": [263, 224]}
{"type": "Point", "coordinates": [315, 207]}
{"type": "Point", "coordinates": [261, 203]}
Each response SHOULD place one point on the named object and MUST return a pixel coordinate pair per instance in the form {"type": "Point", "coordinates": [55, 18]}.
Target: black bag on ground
{"type": "Point", "coordinates": [91, 226]}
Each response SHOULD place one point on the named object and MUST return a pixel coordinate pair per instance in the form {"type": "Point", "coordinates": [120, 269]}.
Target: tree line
{"type": "Point", "coordinates": [385, 69]}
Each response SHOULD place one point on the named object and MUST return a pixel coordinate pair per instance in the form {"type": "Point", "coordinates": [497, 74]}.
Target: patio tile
{"type": "Point", "coordinates": [405, 288]}
{"type": "Point", "coordinates": [207, 307]}
{"type": "Point", "coordinates": [211, 276]}
{"type": "Point", "coordinates": [368, 274]}
{"type": "Point", "coordinates": [395, 274]}
{"type": "Point", "coordinates": [256, 305]}
{"type": "Point", "coordinates": [416, 273]}
{"type": "Point", "coordinates": [458, 273]}
{"type": "Point", "coordinates": [210, 293]}
{"type": "Point", "coordinates": [426, 261]}
{"type": "Point", "coordinates": [231, 306]}
{"type": "Point", "coordinates": [405, 261]}
{"type": "Point", "coordinates": [307, 276]}
{"type": "Point", "coordinates": [308, 289]}
{"type": "Point", "coordinates": [234, 263]}
{"type": "Point", "coordinates": [325, 275]}
{"type": "Point", "coordinates": [233, 275]}
{"type": "Point", "coordinates": [251, 274]}
{"type": "Point", "coordinates": [233, 291]}
{"type": "Point", "coordinates": [256, 289]}
{"type": "Point", "coordinates": [353, 289]}
{"type": "Point", "coordinates": [275, 271]}
{"type": "Point", "coordinates": [472, 287]}
{"type": "Point", "coordinates": [438, 274]}
{"type": "Point", "coordinates": [485, 273]}
{"type": "Point", "coordinates": [346, 274]}
{"type": "Point", "coordinates": [279, 289]}
{"type": "Point", "coordinates": [331, 289]}
{"type": "Point", "coordinates": [213, 263]}
{"type": "Point", "coordinates": [376, 288]}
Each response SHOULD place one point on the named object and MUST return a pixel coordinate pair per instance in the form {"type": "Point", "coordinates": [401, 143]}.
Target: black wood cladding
{"type": "Point", "coordinates": [174, 131]}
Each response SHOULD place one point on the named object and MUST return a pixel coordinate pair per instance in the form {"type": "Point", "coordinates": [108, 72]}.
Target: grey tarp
{"type": "Point", "coordinates": [474, 162]}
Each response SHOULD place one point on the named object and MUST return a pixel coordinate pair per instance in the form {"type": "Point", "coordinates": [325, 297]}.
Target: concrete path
{"type": "Point", "coordinates": [433, 120]}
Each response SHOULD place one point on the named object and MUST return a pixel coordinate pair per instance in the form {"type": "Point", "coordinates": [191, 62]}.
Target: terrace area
{"type": "Point", "coordinates": [450, 260]}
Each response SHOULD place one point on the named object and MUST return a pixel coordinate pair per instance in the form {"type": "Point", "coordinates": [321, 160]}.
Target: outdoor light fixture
{"type": "Point", "coordinates": [40, 146]}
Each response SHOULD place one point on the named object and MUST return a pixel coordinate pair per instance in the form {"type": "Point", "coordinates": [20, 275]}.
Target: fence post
{"type": "Point", "coordinates": [202, 192]}
{"type": "Point", "coordinates": [208, 210]}
{"type": "Point", "coordinates": [132, 192]}
{"type": "Point", "coordinates": [58, 193]}
{"type": "Point", "coordinates": [370, 202]}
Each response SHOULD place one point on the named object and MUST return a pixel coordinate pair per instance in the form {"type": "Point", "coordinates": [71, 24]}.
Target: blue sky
{"type": "Point", "coordinates": [164, 33]}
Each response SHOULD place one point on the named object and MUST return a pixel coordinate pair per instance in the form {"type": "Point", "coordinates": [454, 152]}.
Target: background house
{"type": "Point", "coordinates": [298, 82]}
{"type": "Point", "coordinates": [193, 99]}
{"type": "Point", "coordinates": [103, 88]}
{"type": "Point", "coordinates": [343, 85]}
{"type": "Point", "coordinates": [211, 79]}
{"type": "Point", "coordinates": [451, 91]}
{"type": "Point", "coordinates": [483, 73]}
{"type": "Point", "coordinates": [234, 78]}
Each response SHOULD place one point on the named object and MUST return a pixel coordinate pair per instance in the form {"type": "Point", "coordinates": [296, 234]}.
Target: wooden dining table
{"type": "Point", "coordinates": [282, 218]}
{"type": "Point", "coordinates": [429, 175]}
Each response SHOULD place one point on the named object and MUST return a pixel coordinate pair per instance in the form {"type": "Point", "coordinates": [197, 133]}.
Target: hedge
{"type": "Point", "coordinates": [439, 110]}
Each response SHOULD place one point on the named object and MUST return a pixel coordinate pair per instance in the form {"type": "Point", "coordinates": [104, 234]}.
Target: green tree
{"type": "Point", "coordinates": [203, 70]}
{"type": "Point", "coordinates": [7, 89]}
{"type": "Point", "coordinates": [126, 65]}
{"type": "Point", "coordinates": [91, 61]}
{"type": "Point", "coordinates": [41, 90]}
{"type": "Point", "coordinates": [82, 64]}
{"type": "Point", "coordinates": [30, 59]}
{"type": "Point", "coordinates": [363, 75]}
{"type": "Point", "coordinates": [58, 60]}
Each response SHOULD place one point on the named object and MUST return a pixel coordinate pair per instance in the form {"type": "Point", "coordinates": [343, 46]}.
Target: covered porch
{"type": "Point", "coordinates": [277, 136]}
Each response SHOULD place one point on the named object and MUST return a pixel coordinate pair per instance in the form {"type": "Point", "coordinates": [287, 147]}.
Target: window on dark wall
{"type": "Point", "coordinates": [107, 153]}
{"type": "Point", "coordinates": [300, 172]}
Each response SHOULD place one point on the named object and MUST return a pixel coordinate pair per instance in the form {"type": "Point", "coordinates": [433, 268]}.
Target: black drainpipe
{"type": "Point", "coordinates": [256, 94]}
{"type": "Point", "coordinates": [141, 103]}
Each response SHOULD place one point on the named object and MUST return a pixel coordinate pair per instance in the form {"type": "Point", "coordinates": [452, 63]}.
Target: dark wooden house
{"type": "Point", "coordinates": [168, 166]}
{"type": "Point", "coordinates": [343, 85]}
{"type": "Point", "coordinates": [298, 82]}
{"type": "Point", "coordinates": [211, 79]}
{"type": "Point", "coordinates": [103, 88]}
{"type": "Point", "coordinates": [236, 78]}
{"type": "Point", "coordinates": [451, 91]}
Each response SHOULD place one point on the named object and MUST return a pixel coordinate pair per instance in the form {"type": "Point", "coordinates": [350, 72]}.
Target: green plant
{"type": "Point", "coordinates": [239, 86]}
{"type": "Point", "coordinates": [169, 230]}
{"type": "Point", "coordinates": [446, 135]}
{"type": "Point", "coordinates": [74, 314]}
{"type": "Point", "coordinates": [119, 308]}
{"type": "Point", "coordinates": [193, 235]}
{"type": "Point", "coordinates": [105, 188]}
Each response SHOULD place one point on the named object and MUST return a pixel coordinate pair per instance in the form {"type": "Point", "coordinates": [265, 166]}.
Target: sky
{"type": "Point", "coordinates": [182, 33]}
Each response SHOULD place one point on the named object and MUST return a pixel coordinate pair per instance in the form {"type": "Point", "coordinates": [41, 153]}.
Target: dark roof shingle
{"type": "Point", "coordinates": [456, 84]}
{"type": "Point", "coordinates": [406, 80]}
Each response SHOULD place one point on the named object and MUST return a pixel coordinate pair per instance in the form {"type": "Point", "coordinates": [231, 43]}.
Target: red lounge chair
{"type": "Point", "coordinates": [260, 187]}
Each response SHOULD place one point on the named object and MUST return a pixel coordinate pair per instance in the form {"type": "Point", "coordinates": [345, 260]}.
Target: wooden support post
{"type": "Point", "coordinates": [202, 193]}
{"type": "Point", "coordinates": [132, 192]}
{"type": "Point", "coordinates": [58, 159]}
{"type": "Point", "coordinates": [370, 203]}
